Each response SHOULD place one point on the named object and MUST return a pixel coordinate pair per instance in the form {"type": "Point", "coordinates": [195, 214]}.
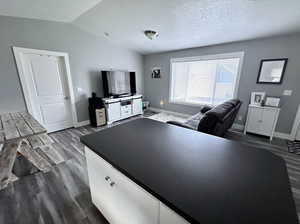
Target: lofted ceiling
{"type": "Point", "coordinates": [52, 10]}
{"type": "Point", "coordinates": [189, 23]}
{"type": "Point", "coordinates": [180, 23]}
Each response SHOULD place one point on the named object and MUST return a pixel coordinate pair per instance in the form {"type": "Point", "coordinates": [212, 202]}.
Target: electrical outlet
{"type": "Point", "coordinates": [287, 92]}
{"type": "Point", "coordinates": [240, 118]}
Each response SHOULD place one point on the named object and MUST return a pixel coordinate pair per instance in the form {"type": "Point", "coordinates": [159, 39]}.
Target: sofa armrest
{"type": "Point", "coordinates": [179, 124]}
{"type": "Point", "coordinates": [204, 109]}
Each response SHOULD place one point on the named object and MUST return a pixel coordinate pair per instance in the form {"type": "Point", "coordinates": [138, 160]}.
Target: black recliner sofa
{"type": "Point", "coordinates": [213, 120]}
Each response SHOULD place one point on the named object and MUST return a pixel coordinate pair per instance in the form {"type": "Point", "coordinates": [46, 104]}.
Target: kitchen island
{"type": "Point", "coordinates": [145, 171]}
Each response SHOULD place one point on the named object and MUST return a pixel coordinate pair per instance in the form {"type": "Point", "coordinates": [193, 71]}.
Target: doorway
{"type": "Point", "coordinates": [47, 87]}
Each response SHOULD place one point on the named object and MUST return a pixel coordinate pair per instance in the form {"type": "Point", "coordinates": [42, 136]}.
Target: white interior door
{"type": "Point", "coordinates": [46, 82]}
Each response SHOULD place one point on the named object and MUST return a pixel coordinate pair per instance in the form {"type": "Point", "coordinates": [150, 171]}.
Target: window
{"type": "Point", "coordinates": [205, 80]}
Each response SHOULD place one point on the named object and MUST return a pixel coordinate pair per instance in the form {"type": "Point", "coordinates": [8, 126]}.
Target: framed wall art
{"type": "Point", "coordinates": [271, 71]}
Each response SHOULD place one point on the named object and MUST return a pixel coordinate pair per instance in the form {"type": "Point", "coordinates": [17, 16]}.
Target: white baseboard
{"type": "Point", "coordinates": [276, 134]}
{"type": "Point", "coordinates": [169, 112]}
{"type": "Point", "coordinates": [82, 123]}
{"type": "Point", "coordinates": [283, 136]}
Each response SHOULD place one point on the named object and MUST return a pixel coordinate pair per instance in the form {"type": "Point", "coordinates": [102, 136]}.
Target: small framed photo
{"type": "Point", "coordinates": [156, 73]}
{"type": "Point", "coordinates": [257, 98]}
{"type": "Point", "coordinates": [272, 101]}
{"type": "Point", "coordinates": [271, 71]}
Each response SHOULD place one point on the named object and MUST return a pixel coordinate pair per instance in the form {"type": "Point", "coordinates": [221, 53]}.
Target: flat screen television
{"type": "Point", "coordinates": [118, 83]}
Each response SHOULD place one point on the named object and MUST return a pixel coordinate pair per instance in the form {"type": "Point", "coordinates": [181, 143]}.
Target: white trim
{"type": "Point", "coordinates": [19, 52]}
{"type": "Point", "coordinates": [296, 124]}
{"type": "Point", "coordinates": [276, 134]}
{"type": "Point", "coordinates": [282, 135]}
{"type": "Point", "coordinates": [239, 55]}
{"type": "Point", "coordinates": [210, 57]}
{"type": "Point", "coordinates": [169, 112]}
{"type": "Point", "coordinates": [190, 104]}
{"type": "Point", "coordinates": [82, 123]}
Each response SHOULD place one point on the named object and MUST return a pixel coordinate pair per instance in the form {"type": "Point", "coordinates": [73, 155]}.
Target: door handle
{"type": "Point", "coordinates": [107, 178]}
{"type": "Point", "coordinates": [112, 184]}
{"type": "Point", "coordinates": [66, 97]}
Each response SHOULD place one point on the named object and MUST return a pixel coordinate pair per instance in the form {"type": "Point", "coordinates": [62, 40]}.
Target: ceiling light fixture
{"type": "Point", "coordinates": [151, 34]}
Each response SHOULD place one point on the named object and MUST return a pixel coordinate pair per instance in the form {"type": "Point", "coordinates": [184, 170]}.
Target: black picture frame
{"type": "Point", "coordinates": [272, 97]}
{"type": "Point", "coordinates": [285, 60]}
{"type": "Point", "coordinates": [156, 73]}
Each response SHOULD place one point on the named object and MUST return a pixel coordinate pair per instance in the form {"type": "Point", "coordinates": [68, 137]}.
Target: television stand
{"type": "Point", "coordinates": [122, 107]}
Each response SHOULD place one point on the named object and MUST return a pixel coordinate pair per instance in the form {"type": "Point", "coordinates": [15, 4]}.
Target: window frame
{"type": "Point", "coordinates": [239, 55]}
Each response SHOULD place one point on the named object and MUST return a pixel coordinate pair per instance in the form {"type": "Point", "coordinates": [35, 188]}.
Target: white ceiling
{"type": "Point", "coordinates": [53, 10]}
{"type": "Point", "coordinates": [189, 23]}
{"type": "Point", "coordinates": [180, 23]}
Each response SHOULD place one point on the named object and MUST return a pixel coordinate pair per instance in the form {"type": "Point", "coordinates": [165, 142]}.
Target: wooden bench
{"type": "Point", "coordinates": [21, 133]}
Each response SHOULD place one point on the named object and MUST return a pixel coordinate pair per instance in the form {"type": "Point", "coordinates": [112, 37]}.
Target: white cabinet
{"type": "Point", "coordinates": [124, 107]}
{"type": "Point", "coordinates": [113, 111]}
{"type": "Point", "coordinates": [137, 106]}
{"type": "Point", "coordinates": [101, 191]}
{"type": "Point", "coordinates": [120, 200]}
{"type": "Point", "coordinates": [262, 120]}
{"type": "Point", "coordinates": [166, 216]}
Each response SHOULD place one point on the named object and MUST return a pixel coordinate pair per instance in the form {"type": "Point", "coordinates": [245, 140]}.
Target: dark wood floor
{"type": "Point", "coordinates": [62, 195]}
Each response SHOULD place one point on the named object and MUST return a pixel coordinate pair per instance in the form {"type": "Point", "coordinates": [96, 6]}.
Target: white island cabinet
{"type": "Point", "coordinates": [120, 200]}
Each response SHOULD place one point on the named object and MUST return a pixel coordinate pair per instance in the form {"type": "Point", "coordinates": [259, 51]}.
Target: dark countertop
{"type": "Point", "coordinates": [204, 178]}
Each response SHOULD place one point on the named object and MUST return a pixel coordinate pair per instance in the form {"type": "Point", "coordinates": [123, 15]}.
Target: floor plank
{"type": "Point", "coordinates": [62, 195]}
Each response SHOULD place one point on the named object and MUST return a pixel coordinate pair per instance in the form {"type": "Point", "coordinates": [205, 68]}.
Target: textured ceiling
{"type": "Point", "coordinates": [189, 23]}
{"type": "Point", "coordinates": [53, 10]}
{"type": "Point", "coordinates": [180, 23]}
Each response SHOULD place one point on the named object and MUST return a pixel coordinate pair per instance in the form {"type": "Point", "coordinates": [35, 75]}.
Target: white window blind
{"type": "Point", "coordinates": [205, 80]}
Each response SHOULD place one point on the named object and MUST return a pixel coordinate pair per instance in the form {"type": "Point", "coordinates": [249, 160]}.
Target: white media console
{"type": "Point", "coordinates": [123, 107]}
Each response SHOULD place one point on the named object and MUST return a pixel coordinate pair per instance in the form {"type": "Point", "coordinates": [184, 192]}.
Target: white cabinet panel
{"type": "Point", "coordinates": [114, 111]}
{"type": "Point", "coordinates": [137, 106]}
{"type": "Point", "coordinates": [101, 192]}
{"type": "Point", "coordinates": [268, 117]}
{"type": "Point", "coordinates": [254, 120]}
{"type": "Point", "coordinates": [134, 205]}
{"type": "Point", "coordinates": [120, 200]}
{"type": "Point", "coordinates": [168, 216]}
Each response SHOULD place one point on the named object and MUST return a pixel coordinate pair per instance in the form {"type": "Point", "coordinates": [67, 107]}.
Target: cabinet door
{"type": "Point", "coordinates": [254, 120]}
{"type": "Point", "coordinates": [168, 216]}
{"type": "Point", "coordinates": [269, 117]}
{"type": "Point", "coordinates": [126, 111]}
{"type": "Point", "coordinates": [119, 199]}
{"type": "Point", "coordinates": [134, 205]}
{"type": "Point", "coordinates": [137, 106]}
{"type": "Point", "coordinates": [101, 192]}
{"type": "Point", "coordinates": [114, 111]}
